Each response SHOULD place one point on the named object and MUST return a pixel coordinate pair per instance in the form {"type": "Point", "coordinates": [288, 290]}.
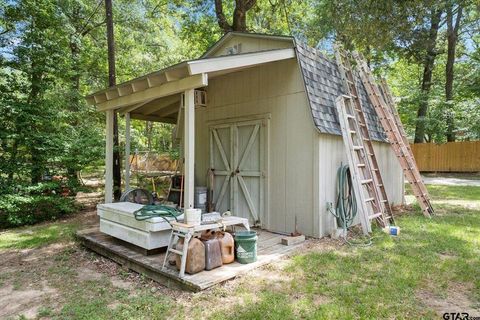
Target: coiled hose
{"type": "Point", "coordinates": [346, 204]}
{"type": "Point", "coordinates": [153, 211]}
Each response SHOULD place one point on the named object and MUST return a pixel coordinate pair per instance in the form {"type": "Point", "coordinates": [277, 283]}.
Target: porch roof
{"type": "Point", "coordinates": [156, 96]}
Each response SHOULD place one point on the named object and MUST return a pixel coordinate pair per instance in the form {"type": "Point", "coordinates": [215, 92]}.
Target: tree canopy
{"type": "Point", "coordinates": [53, 53]}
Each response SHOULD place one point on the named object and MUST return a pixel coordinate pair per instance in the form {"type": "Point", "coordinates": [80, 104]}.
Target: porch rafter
{"type": "Point", "coordinates": [163, 90]}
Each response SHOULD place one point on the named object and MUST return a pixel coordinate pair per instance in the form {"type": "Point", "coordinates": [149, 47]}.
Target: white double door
{"type": "Point", "coordinates": [237, 157]}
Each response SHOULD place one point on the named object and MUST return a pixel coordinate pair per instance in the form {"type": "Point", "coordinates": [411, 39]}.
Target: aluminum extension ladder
{"type": "Point", "coordinates": [391, 123]}
{"type": "Point", "coordinates": [366, 177]}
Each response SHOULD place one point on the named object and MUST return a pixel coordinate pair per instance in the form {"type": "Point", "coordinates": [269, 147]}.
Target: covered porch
{"type": "Point", "coordinates": [174, 95]}
{"type": "Point", "coordinates": [171, 96]}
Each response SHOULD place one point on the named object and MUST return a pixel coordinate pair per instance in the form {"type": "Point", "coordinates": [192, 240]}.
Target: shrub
{"type": "Point", "coordinates": [17, 209]}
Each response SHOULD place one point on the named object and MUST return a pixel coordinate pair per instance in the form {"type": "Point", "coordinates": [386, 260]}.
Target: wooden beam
{"type": "Point", "coordinates": [237, 61]}
{"type": "Point", "coordinates": [125, 90]}
{"type": "Point", "coordinates": [189, 142]}
{"type": "Point", "coordinates": [156, 80]}
{"type": "Point", "coordinates": [109, 157]}
{"type": "Point", "coordinates": [90, 100]}
{"type": "Point", "coordinates": [167, 101]}
{"type": "Point", "coordinates": [134, 107]}
{"type": "Point", "coordinates": [153, 118]}
{"type": "Point", "coordinates": [176, 73]}
{"type": "Point", "coordinates": [99, 98]}
{"type": "Point", "coordinates": [140, 85]}
{"type": "Point", "coordinates": [127, 151]}
{"type": "Point", "coordinates": [166, 89]}
{"type": "Point", "coordinates": [111, 94]}
{"type": "Point", "coordinates": [171, 109]}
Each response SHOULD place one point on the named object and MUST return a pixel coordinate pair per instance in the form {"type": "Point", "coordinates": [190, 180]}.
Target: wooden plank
{"type": "Point", "coordinates": [461, 156]}
{"type": "Point", "coordinates": [269, 250]}
{"type": "Point", "coordinates": [158, 105]}
{"type": "Point", "coordinates": [134, 107]}
{"type": "Point", "coordinates": [153, 118]}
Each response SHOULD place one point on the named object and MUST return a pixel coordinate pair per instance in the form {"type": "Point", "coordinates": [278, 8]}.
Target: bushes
{"type": "Point", "coordinates": [33, 204]}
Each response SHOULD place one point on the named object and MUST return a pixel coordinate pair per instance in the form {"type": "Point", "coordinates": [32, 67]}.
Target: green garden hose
{"type": "Point", "coordinates": [346, 208]}
{"type": "Point", "coordinates": [153, 211]}
{"type": "Point", "coordinates": [346, 204]}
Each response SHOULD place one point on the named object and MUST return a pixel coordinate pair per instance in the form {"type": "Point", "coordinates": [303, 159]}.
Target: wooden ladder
{"type": "Point", "coordinates": [390, 120]}
{"type": "Point", "coordinates": [366, 177]}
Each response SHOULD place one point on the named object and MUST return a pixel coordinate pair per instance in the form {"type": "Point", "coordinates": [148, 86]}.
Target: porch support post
{"type": "Point", "coordinates": [127, 151]}
{"type": "Point", "coordinates": [109, 157]}
{"type": "Point", "coordinates": [189, 149]}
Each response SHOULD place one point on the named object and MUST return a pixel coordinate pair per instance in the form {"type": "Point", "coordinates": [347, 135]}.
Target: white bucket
{"type": "Point", "coordinates": [193, 217]}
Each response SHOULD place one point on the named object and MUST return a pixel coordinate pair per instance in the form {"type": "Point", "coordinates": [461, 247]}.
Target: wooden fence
{"type": "Point", "coordinates": [448, 157]}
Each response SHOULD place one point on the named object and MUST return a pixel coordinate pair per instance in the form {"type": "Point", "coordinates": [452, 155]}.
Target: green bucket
{"type": "Point", "coordinates": [246, 246]}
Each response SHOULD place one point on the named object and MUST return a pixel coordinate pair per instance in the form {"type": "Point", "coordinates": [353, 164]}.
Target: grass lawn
{"type": "Point", "coordinates": [431, 268]}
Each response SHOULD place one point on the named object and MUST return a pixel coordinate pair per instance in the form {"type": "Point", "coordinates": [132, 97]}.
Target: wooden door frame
{"type": "Point", "coordinates": [264, 140]}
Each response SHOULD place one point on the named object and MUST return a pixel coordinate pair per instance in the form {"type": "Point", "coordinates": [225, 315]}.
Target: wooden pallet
{"type": "Point", "coordinates": [269, 249]}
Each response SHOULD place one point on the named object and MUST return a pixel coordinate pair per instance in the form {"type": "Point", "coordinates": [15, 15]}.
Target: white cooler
{"type": "Point", "coordinates": [117, 220]}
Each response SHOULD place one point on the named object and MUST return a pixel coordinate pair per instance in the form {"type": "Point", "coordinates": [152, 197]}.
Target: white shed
{"type": "Point", "coordinates": [269, 132]}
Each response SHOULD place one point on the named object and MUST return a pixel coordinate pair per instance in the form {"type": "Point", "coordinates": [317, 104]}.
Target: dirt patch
{"type": "Point", "coordinates": [122, 284]}
{"type": "Point", "coordinates": [25, 302]}
{"type": "Point", "coordinates": [455, 300]}
{"type": "Point", "coordinates": [86, 274]}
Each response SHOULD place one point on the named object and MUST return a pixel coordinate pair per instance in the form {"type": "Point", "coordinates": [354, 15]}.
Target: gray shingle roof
{"type": "Point", "coordinates": [323, 85]}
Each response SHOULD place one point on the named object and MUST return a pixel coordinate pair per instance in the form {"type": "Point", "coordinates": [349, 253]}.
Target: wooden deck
{"type": "Point", "coordinates": [269, 248]}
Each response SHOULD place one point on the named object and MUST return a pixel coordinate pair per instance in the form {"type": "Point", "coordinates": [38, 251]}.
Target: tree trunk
{"type": "Point", "coordinates": [239, 15]}
{"type": "Point", "coordinates": [37, 165]}
{"type": "Point", "coordinates": [13, 161]}
{"type": "Point", "coordinates": [117, 178]}
{"type": "Point", "coordinates": [428, 66]}
{"type": "Point", "coordinates": [452, 36]}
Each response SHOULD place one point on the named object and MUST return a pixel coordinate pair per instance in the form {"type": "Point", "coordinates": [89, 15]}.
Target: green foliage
{"type": "Point", "coordinates": [17, 210]}
{"type": "Point", "coordinates": [394, 37]}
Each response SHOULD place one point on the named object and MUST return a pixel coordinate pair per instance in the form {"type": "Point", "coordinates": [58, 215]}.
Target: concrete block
{"type": "Point", "coordinates": [290, 241]}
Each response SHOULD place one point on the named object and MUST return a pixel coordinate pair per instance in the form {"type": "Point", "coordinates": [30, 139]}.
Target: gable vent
{"type": "Point", "coordinates": [236, 49]}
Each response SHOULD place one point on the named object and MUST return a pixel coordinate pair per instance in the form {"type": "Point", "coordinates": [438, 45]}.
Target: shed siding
{"type": "Point", "coordinates": [250, 44]}
{"type": "Point", "coordinates": [331, 155]}
{"type": "Point", "coordinates": [274, 89]}
{"type": "Point", "coordinates": [302, 162]}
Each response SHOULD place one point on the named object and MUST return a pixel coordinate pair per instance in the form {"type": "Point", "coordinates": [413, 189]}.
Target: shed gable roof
{"type": "Point", "coordinates": [255, 42]}
{"type": "Point", "coordinates": [321, 78]}
{"type": "Point", "coordinates": [323, 85]}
